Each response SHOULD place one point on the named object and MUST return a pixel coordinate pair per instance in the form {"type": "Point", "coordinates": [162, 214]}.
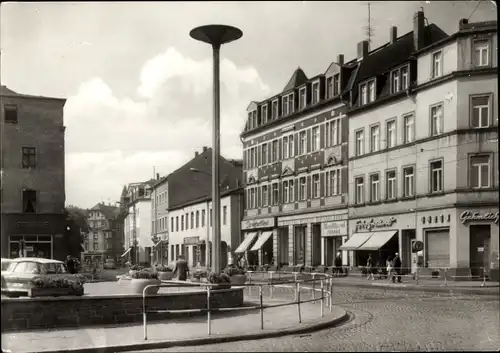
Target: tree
{"type": "Point", "coordinates": [75, 226]}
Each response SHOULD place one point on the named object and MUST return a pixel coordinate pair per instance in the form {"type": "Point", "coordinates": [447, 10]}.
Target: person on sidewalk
{"type": "Point", "coordinates": [70, 264]}
{"type": "Point", "coordinates": [338, 265]}
{"type": "Point", "coordinates": [397, 268]}
{"type": "Point", "coordinates": [390, 268]}
{"type": "Point", "coordinates": [181, 268]}
{"type": "Point", "coordinates": [369, 267]}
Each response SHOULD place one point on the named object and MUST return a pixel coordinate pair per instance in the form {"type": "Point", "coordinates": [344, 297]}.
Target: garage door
{"type": "Point", "coordinates": [437, 248]}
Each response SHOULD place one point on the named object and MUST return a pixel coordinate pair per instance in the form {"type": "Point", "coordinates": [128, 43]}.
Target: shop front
{"type": "Point", "coordinates": [310, 239]}
{"type": "Point", "coordinates": [257, 245]}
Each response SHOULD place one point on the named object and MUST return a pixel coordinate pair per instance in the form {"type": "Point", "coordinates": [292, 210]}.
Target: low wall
{"type": "Point", "coordinates": [44, 313]}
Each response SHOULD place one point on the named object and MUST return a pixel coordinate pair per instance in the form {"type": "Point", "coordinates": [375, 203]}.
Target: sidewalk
{"type": "Point", "coordinates": [229, 326]}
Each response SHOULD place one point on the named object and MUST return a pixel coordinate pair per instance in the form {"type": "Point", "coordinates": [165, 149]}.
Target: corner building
{"type": "Point", "coordinates": [423, 150]}
{"type": "Point", "coordinates": [295, 171]}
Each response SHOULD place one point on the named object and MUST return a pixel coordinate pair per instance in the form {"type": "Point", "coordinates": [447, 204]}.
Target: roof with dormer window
{"type": "Point", "coordinates": [298, 79]}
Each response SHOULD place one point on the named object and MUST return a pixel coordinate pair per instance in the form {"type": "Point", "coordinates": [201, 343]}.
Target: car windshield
{"type": "Point", "coordinates": [53, 268]}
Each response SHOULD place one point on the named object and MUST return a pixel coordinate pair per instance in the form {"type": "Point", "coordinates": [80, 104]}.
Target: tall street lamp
{"type": "Point", "coordinates": [216, 35]}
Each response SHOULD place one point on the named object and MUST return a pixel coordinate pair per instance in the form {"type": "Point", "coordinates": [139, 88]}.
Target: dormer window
{"type": "Point", "coordinates": [399, 79]}
{"type": "Point", "coordinates": [367, 92]}
{"type": "Point", "coordinates": [252, 119]}
{"type": "Point", "coordinates": [404, 78]}
{"type": "Point", "coordinates": [284, 108]}
{"type": "Point", "coordinates": [336, 85]}
{"type": "Point", "coordinates": [287, 104]}
{"type": "Point", "coordinates": [263, 113]}
{"type": "Point", "coordinates": [302, 98]}
{"type": "Point", "coordinates": [315, 92]}
{"type": "Point", "coordinates": [329, 87]}
{"type": "Point", "coordinates": [395, 87]}
{"type": "Point", "coordinates": [275, 112]}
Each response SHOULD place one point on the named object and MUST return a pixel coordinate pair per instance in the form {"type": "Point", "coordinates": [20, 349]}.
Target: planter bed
{"type": "Point", "coordinates": [53, 292]}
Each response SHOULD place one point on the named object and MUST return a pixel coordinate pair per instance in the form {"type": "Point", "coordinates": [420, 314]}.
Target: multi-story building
{"type": "Point", "coordinates": [32, 188]}
{"type": "Point", "coordinates": [105, 232]}
{"type": "Point", "coordinates": [137, 222]}
{"type": "Point", "coordinates": [191, 228]}
{"type": "Point", "coordinates": [295, 169]}
{"type": "Point", "coordinates": [159, 214]}
{"type": "Point", "coordinates": [423, 144]}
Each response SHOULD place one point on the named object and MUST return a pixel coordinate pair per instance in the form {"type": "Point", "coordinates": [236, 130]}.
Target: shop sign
{"type": "Point", "coordinates": [333, 229]}
{"type": "Point", "coordinates": [372, 224]}
{"type": "Point", "coordinates": [468, 216]}
{"type": "Point", "coordinates": [257, 223]}
{"type": "Point", "coordinates": [417, 246]}
{"type": "Point", "coordinates": [191, 240]}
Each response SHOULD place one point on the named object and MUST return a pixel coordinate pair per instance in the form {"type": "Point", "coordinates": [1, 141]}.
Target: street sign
{"type": "Point", "coordinates": [417, 246]}
{"type": "Point", "coordinates": [480, 249]}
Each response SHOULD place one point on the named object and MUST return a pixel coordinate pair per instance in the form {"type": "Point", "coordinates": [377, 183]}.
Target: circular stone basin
{"type": "Point", "coordinates": [123, 287]}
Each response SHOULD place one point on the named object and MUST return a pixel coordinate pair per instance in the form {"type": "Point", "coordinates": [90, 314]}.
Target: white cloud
{"type": "Point", "coordinates": [112, 141]}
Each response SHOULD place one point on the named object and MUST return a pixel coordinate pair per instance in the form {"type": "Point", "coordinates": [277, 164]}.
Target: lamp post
{"type": "Point", "coordinates": [216, 35]}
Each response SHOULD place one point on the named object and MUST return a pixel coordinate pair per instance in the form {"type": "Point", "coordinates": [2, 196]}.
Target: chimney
{"type": "Point", "coordinates": [362, 50]}
{"type": "Point", "coordinates": [418, 30]}
{"type": "Point", "coordinates": [157, 176]}
{"type": "Point", "coordinates": [462, 24]}
{"type": "Point", "coordinates": [196, 154]}
{"type": "Point", "coordinates": [205, 148]}
{"type": "Point", "coordinates": [393, 34]}
{"type": "Point", "coordinates": [340, 59]}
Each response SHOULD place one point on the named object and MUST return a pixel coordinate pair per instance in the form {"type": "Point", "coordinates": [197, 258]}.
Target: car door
{"type": "Point", "coordinates": [14, 277]}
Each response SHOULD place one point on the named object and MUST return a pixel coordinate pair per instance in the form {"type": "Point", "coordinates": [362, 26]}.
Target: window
{"type": "Point", "coordinates": [286, 191]}
{"type": "Point", "coordinates": [192, 220]}
{"type": "Point", "coordinates": [290, 104]}
{"type": "Point", "coordinates": [10, 114]}
{"type": "Point", "coordinates": [29, 157]}
{"type": "Point", "coordinates": [29, 201]}
{"type": "Point", "coordinates": [333, 132]}
{"type": "Point", "coordinates": [263, 113]}
{"type": "Point", "coordinates": [374, 138]}
{"type": "Point", "coordinates": [291, 149]}
{"type": "Point", "coordinates": [395, 87]}
{"type": "Point", "coordinates": [315, 186]}
{"type": "Point", "coordinates": [391, 133]}
{"type": "Point", "coordinates": [391, 185]}
{"type": "Point", "coordinates": [302, 98]}
{"type": "Point", "coordinates": [291, 191]}
{"type": "Point", "coordinates": [96, 247]}
{"type": "Point", "coordinates": [408, 182]}
{"type": "Point", "coordinates": [203, 218]}
{"type": "Point", "coordinates": [333, 182]}
{"type": "Point", "coordinates": [329, 87]}
{"type": "Point", "coordinates": [211, 218]}
{"type": "Point", "coordinates": [481, 53]}
{"type": "Point", "coordinates": [182, 222]}
{"type": "Point", "coordinates": [368, 92]}
{"type": "Point", "coordinates": [409, 130]}
{"type": "Point", "coordinates": [315, 138]}
{"type": "Point", "coordinates": [265, 201]}
{"type": "Point", "coordinates": [303, 142]}
{"type": "Point", "coordinates": [364, 94]}
{"type": "Point", "coordinates": [252, 198]}
{"type": "Point", "coordinates": [275, 151]}
{"type": "Point", "coordinates": [371, 91]}
{"type": "Point", "coordinates": [172, 224]}
{"type": "Point", "coordinates": [197, 219]}
{"type": "Point", "coordinates": [436, 119]}
{"type": "Point", "coordinates": [436, 168]}
{"type": "Point", "coordinates": [275, 193]}
{"type": "Point", "coordinates": [359, 189]}
{"type": "Point", "coordinates": [480, 115]}
{"type": "Point", "coordinates": [275, 109]}
{"type": "Point", "coordinates": [285, 147]}
{"type": "Point", "coordinates": [177, 223]}
{"type": "Point", "coordinates": [224, 215]}
{"type": "Point", "coordinates": [480, 171]}
{"type": "Point", "coordinates": [336, 84]}
{"type": "Point", "coordinates": [436, 64]}
{"type": "Point", "coordinates": [374, 187]}
{"type": "Point", "coordinates": [302, 188]}
{"type": "Point", "coordinates": [252, 120]}
{"type": "Point", "coordinates": [359, 142]}
{"type": "Point", "coordinates": [404, 78]}
{"type": "Point", "coordinates": [315, 92]}
{"type": "Point", "coordinates": [285, 106]}
{"type": "Point", "coordinates": [264, 154]}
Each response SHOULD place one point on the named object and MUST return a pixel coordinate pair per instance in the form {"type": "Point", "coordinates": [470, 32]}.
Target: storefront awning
{"type": "Point", "coordinates": [126, 252]}
{"type": "Point", "coordinates": [161, 241]}
{"type": "Point", "coordinates": [264, 236]}
{"type": "Point", "coordinates": [377, 240]}
{"type": "Point", "coordinates": [355, 241]}
{"type": "Point", "coordinates": [246, 243]}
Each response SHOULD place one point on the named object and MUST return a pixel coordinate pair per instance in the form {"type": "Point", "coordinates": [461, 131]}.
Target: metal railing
{"type": "Point", "coordinates": [326, 289]}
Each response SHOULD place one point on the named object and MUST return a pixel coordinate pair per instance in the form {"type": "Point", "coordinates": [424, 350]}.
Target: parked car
{"type": "Point", "coordinates": [110, 264]}
{"type": "Point", "coordinates": [16, 280]}
{"type": "Point", "coordinates": [5, 264]}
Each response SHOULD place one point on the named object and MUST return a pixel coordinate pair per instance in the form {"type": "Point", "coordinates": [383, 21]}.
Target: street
{"type": "Point", "coordinates": [391, 321]}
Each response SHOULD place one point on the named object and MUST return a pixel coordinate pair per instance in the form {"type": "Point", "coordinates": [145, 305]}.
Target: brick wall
{"type": "Point", "coordinates": [44, 313]}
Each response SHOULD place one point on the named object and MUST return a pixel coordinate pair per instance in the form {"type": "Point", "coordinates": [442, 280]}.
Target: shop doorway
{"type": "Point", "coordinates": [407, 235]}
{"type": "Point", "coordinates": [267, 252]}
{"type": "Point", "coordinates": [316, 245]}
{"type": "Point", "coordinates": [437, 248]}
{"type": "Point", "coordinates": [283, 246]}
{"type": "Point", "coordinates": [479, 235]}
{"type": "Point", "coordinates": [300, 245]}
{"type": "Point", "coordinates": [329, 251]}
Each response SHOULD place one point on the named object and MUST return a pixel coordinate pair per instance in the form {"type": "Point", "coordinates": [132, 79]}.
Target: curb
{"type": "Point", "coordinates": [210, 340]}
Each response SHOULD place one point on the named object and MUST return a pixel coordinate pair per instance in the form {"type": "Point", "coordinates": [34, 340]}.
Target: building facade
{"type": "Point", "coordinates": [422, 150]}
{"type": "Point", "coordinates": [137, 223]}
{"type": "Point", "coordinates": [160, 226]}
{"type": "Point", "coordinates": [295, 170]}
{"type": "Point", "coordinates": [191, 228]}
{"type": "Point", "coordinates": [32, 189]}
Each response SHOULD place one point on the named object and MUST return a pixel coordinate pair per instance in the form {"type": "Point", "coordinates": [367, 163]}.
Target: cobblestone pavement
{"type": "Point", "coordinates": [390, 320]}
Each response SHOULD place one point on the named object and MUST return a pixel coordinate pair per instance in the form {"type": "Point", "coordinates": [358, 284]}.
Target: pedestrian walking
{"type": "Point", "coordinates": [369, 267]}
{"type": "Point", "coordinates": [390, 268]}
{"type": "Point", "coordinates": [397, 268]}
{"type": "Point", "coordinates": [181, 268]}
{"type": "Point", "coordinates": [337, 270]}
{"type": "Point", "coordinates": [70, 264]}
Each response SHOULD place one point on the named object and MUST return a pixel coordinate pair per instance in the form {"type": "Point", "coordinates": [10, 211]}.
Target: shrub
{"type": "Point", "coordinates": [144, 274]}
{"type": "Point", "coordinates": [198, 274]}
{"type": "Point", "coordinates": [59, 282]}
{"type": "Point", "coordinates": [136, 268]}
{"type": "Point", "coordinates": [216, 278]}
{"type": "Point", "coordinates": [231, 271]}
{"type": "Point", "coordinates": [162, 268]}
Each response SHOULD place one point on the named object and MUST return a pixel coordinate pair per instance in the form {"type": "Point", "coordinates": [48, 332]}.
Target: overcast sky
{"type": "Point", "coordinates": [138, 88]}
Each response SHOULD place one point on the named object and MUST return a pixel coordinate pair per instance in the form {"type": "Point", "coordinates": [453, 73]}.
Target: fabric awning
{"type": "Point", "coordinates": [246, 243]}
{"type": "Point", "coordinates": [161, 241]}
{"type": "Point", "coordinates": [263, 237]}
{"type": "Point", "coordinates": [377, 240]}
{"type": "Point", "coordinates": [355, 241]}
{"type": "Point", "coordinates": [126, 252]}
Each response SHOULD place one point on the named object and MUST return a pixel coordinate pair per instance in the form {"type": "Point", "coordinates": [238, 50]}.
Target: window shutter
{"type": "Point", "coordinates": [280, 149]}
{"type": "Point", "coordinates": [259, 158]}
{"type": "Point", "coordinates": [308, 134]}
{"type": "Point", "coordinates": [259, 196]}
{"type": "Point", "coordinates": [269, 152]}
{"type": "Point", "coordinates": [296, 144]}
{"type": "Point", "coordinates": [322, 184]}
{"type": "Point", "coordinates": [309, 187]}
{"type": "Point", "coordinates": [344, 181]}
